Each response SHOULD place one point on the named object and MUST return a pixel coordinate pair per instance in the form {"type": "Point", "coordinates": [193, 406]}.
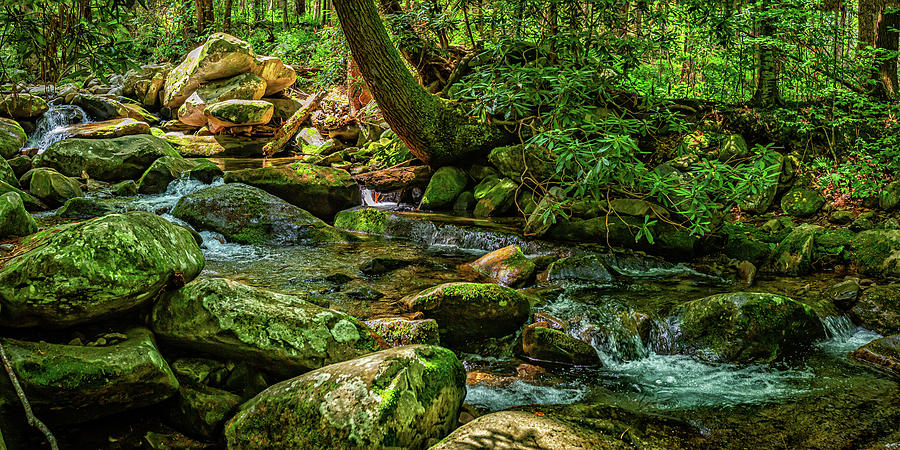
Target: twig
{"type": "Point", "coordinates": [32, 420]}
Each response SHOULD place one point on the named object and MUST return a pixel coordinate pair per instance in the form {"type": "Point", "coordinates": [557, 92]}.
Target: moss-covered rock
{"type": "Point", "coordinates": [878, 309]}
{"type": "Point", "coordinates": [189, 145]}
{"type": "Point", "coordinates": [323, 191]}
{"type": "Point", "coordinates": [541, 343]}
{"type": "Point", "coordinates": [233, 113]}
{"type": "Point", "coordinates": [105, 108]}
{"type": "Point", "coordinates": [445, 185]}
{"type": "Point", "coordinates": [112, 128]}
{"type": "Point", "coordinates": [733, 147]}
{"type": "Point", "coordinates": [250, 215]}
{"type": "Point", "coordinates": [890, 196]}
{"type": "Point", "coordinates": [221, 56]}
{"type": "Point", "coordinates": [241, 87]}
{"type": "Point", "coordinates": [801, 202]}
{"type": "Point", "coordinates": [133, 258]}
{"type": "Point", "coordinates": [471, 311]}
{"type": "Point", "coordinates": [12, 138]}
{"type": "Point", "coordinates": [162, 172]}
{"type": "Point", "coordinates": [52, 187]}
{"type": "Point", "coordinates": [19, 165]}
{"type": "Point", "coordinates": [7, 175]}
{"type": "Point", "coordinates": [406, 397]}
{"type": "Point", "coordinates": [88, 208]}
{"type": "Point", "coordinates": [202, 410]}
{"type": "Point", "coordinates": [507, 266]}
{"type": "Point", "coordinates": [398, 331]}
{"type": "Point", "coordinates": [14, 219]}
{"type": "Point", "coordinates": [280, 333]}
{"type": "Point", "coordinates": [31, 203]}
{"type": "Point", "coordinates": [883, 353]}
{"type": "Point", "coordinates": [589, 268]}
{"type": "Point", "coordinates": [497, 200]}
{"type": "Point", "coordinates": [518, 161]}
{"type": "Point", "coordinates": [73, 383]}
{"type": "Point", "coordinates": [745, 327]}
{"type": "Point", "coordinates": [808, 247]}
{"type": "Point", "coordinates": [743, 242]}
{"type": "Point", "coordinates": [277, 75]}
{"type": "Point", "coordinates": [144, 84]}
{"type": "Point", "coordinates": [126, 157]}
{"type": "Point", "coordinates": [23, 106]}
{"type": "Point", "coordinates": [877, 253]}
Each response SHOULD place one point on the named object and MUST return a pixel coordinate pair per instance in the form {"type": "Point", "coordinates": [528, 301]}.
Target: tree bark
{"type": "Point", "coordinates": [300, 7]}
{"type": "Point", "coordinates": [877, 29]}
{"type": "Point", "coordinates": [205, 14]}
{"type": "Point", "coordinates": [433, 69]}
{"type": "Point", "coordinates": [436, 131]}
{"type": "Point", "coordinates": [767, 94]}
{"type": "Point", "coordinates": [227, 19]}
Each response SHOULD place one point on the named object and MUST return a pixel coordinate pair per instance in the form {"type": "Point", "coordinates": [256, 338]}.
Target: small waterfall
{"type": "Point", "coordinates": [838, 327]}
{"type": "Point", "coordinates": [378, 199]}
{"type": "Point", "coordinates": [843, 337]}
{"type": "Point", "coordinates": [52, 125]}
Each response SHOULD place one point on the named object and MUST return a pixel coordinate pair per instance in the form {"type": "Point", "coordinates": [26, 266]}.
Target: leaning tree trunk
{"type": "Point", "coordinates": [433, 69]}
{"type": "Point", "coordinates": [436, 131]}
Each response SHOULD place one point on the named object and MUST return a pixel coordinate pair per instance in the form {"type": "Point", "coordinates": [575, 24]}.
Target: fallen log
{"type": "Point", "coordinates": [290, 128]}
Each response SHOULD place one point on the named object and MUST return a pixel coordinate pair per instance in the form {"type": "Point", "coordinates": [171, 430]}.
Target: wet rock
{"type": "Point", "coordinates": [405, 397]}
{"type": "Point", "coordinates": [486, 184]}
{"type": "Point", "coordinates": [876, 253]}
{"type": "Point", "coordinates": [173, 441]}
{"type": "Point", "coordinates": [322, 191]}
{"type": "Point", "coordinates": [518, 161]}
{"type": "Point", "coordinates": [202, 410]}
{"type": "Point", "coordinates": [114, 159]}
{"type": "Point", "coordinates": [112, 128]}
{"type": "Point", "coordinates": [541, 343]}
{"type": "Point", "coordinates": [125, 188]}
{"type": "Point", "coordinates": [134, 257]}
{"type": "Point", "coordinates": [31, 203]}
{"type": "Point", "coordinates": [588, 268]}
{"type": "Point", "coordinates": [497, 200]}
{"type": "Point", "coordinates": [23, 106]}
{"type": "Point", "coordinates": [399, 331]}
{"type": "Point", "coordinates": [277, 332]}
{"type": "Point", "coordinates": [464, 203]}
{"type": "Point", "coordinates": [382, 265]}
{"type": "Point", "coordinates": [162, 172]}
{"type": "Point", "coordinates": [234, 113]}
{"type": "Point", "coordinates": [507, 266]}
{"type": "Point", "coordinates": [19, 165]}
{"type": "Point", "coordinates": [52, 187]}
{"type": "Point", "coordinates": [621, 231]}
{"type": "Point", "coordinates": [471, 311]}
{"type": "Point", "coordinates": [277, 75]}
{"type": "Point", "coordinates": [878, 309]}
{"type": "Point", "coordinates": [204, 171]}
{"type": "Point", "coordinates": [102, 108]}
{"type": "Point", "coordinates": [389, 180]}
{"type": "Point", "coordinates": [844, 294]}
{"type": "Point", "coordinates": [550, 321]}
{"type": "Point", "coordinates": [744, 327]}
{"type": "Point", "coordinates": [241, 87]}
{"type": "Point", "coordinates": [890, 196]}
{"type": "Point", "coordinates": [746, 273]}
{"type": "Point", "coordinates": [445, 185]}
{"type": "Point", "coordinates": [14, 219]}
{"type": "Point", "coordinates": [205, 371]}
{"type": "Point", "coordinates": [800, 202]}
{"type": "Point", "coordinates": [87, 208]}
{"type": "Point", "coordinates": [250, 215]}
{"type": "Point", "coordinates": [221, 56]}
{"type": "Point", "coordinates": [883, 353]}
{"type": "Point", "coordinates": [12, 138]}
{"type": "Point", "coordinates": [69, 383]}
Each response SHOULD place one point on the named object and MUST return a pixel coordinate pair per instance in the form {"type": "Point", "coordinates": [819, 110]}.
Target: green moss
{"type": "Point", "coordinates": [365, 220]}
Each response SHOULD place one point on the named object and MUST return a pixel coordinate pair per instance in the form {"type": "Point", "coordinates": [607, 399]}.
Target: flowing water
{"type": "Point", "coordinates": [52, 127]}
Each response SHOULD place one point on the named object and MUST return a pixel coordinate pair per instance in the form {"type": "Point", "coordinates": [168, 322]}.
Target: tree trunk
{"type": "Point", "coordinates": [432, 68]}
{"type": "Point", "coordinates": [435, 131]}
{"type": "Point", "coordinates": [227, 19]}
{"type": "Point", "coordinates": [205, 14]}
{"type": "Point", "coordinates": [300, 7]}
{"type": "Point", "coordinates": [877, 29]}
{"type": "Point", "coordinates": [767, 94]}
{"type": "Point", "coordinates": [290, 128]}
{"type": "Point", "coordinates": [285, 14]}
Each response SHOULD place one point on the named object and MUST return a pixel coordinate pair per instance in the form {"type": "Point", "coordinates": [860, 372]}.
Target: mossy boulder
{"type": "Point", "coordinates": [744, 327]}
{"type": "Point", "coordinates": [19, 165]}
{"type": "Point", "coordinates": [133, 258]}
{"type": "Point", "coordinates": [221, 56]}
{"type": "Point", "coordinates": [105, 108]}
{"type": "Point", "coordinates": [890, 196]}
{"type": "Point", "coordinates": [7, 174]}
{"type": "Point", "coordinates": [12, 138]}
{"type": "Point", "coordinates": [233, 113]}
{"type": "Point", "coordinates": [126, 157]}
{"type": "Point", "coordinates": [277, 332]}
{"type": "Point", "coordinates": [510, 429]}
{"type": "Point", "coordinates": [541, 343]}
{"type": "Point", "coordinates": [883, 354]}
{"type": "Point", "coordinates": [497, 200]}
{"type": "Point", "coordinates": [802, 202]}
{"type": "Point", "coordinates": [87, 208]}
{"type": "Point", "coordinates": [277, 75]}
{"type": "Point", "coordinates": [878, 309]}
{"type": "Point", "coordinates": [398, 331]}
{"type": "Point", "coordinates": [241, 87]}
{"type": "Point", "coordinates": [250, 215]}
{"type": "Point", "coordinates": [14, 219]}
{"type": "Point", "coordinates": [876, 253]}
{"type": "Point", "coordinates": [112, 128]}
{"type": "Point", "coordinates": [733, 147]}
{"type": "Point", "coordinates": [52, 187]}
{"type": "Point", "coordinates": [519, 161]}
{"type": "Point", "coordinates": [808, 247]}
{"type": "Point", "coordinates": [31, 203]}
{"type": "Point", "coordinates": [445, 185]}
{"type": "Point", "coordinates": [507, 266]}
{"type": "Point", "coordinates": [405, 397]}
{"type": "Point", "coordinates": [204, 171]}
{"type": "Point", "coordinates": [144, 84]}
{"type": "Point", "coordinates": [323, 191]}
{"type": "Point", "coordinates": [23, 106]}
{"type": "Point", "coordinates": [189, 145]}
{"type": "Point", "coordinates": [74, 383]}
{"type": "Point", "coordinates": [585, 268]}
{"type": "Point", "coordinates": [202, 410]}
{"type": "Point", "coordinates": [471, 311]}
{"type": "Point", "coordinates": [162, 172]}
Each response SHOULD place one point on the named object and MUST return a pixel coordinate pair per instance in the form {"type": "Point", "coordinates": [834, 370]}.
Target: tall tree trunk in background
{"type": "Point", "coordinates": [205, 14]}
{"type": "Point", "coordinates": [767, 94]}
{"type": "Point", "coordinates": [877, 30]}
{"type": "Point", "coordinates": [300, 8]}
{"type": "Point", "coordinates": [85, 9]}
{"type": "Point", "coordinates": [435, 131]}
{"type": "Point", "coordinates": [227, 18]}
{"type": "Point", "coordinates": [285, 14]}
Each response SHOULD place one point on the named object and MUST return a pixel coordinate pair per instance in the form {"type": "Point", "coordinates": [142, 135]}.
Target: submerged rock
{"type": "Point", "coordinates": [14, 219]}
{"type": "Point", "coordinates": [883, 353]}
{"type": "Point", "coordinates": [126, 157]}
{"type": "Point", "coordinates": [399, 331]}
{"type": "Point", "coordinates": [878, 309]}
{"type": "Point", "coordinates": [542, 343]}
{"type": "Point", "coordinates": [133, 258]}
{"type": "Point", "coordinates": [406, 397]}
{"type": "Point", "coordinates": [446, 183]}
{"type": "Point", "coordinates": [12, 138]}
{"type": "Point", "coordinates": [744, 327]}
{"type": "Point", "coordinates": [73, 383]}
{"type": "Point", "coordinates": [323, 191]}
{"type": "Point", "coordinates": [278, 332]}
{"type": "Point", "coordinates": [507, 266]}
{"type": "Point", "coordinates": [590, 268]}
{"type": "Point", "coordinates": [471, 311]}
{"type": "Point", "coordinates": [250, 215]}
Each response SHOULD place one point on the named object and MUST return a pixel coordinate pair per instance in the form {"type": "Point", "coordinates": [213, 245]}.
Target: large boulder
{"type": "Point", "coordinates": [75, 383]}
{"type": "Point", "coordinates": [162, 172]}
{"type": "Point", "coordinates": [122, 158]}
{"type": "Point", "coordinates": [52, 187]}
{"type": "Point", "coordinates": [23, 106]}
{"type": "Point", "coordinates": [584, 268]}
{"type": "Point", "coordinates": [133, 258]}
{"type": "Point", "coordinates": [406, 397]}
{"type": "Point", "coordinates": [7, 174]}
{"type": "Point", "coordinates": [250, 215]}
{"type": "Point", "coordinates": [278, 332]}
{"type": "Point", "coordinates": [221, 56]}
{"type": "Point", "coordinates": [202, 410]}
{"type": "Point", "coordinates": [542, 343]}
{"type": "Point", "coordinates": [323, 191]}
{"type": "Point", "coordinates": [519, 161]}
{"type": "Point", "coordinates": [278, 76]}
{"type": "Point", "coordinates": [877, 253]}
{"type": "Point", "coordinates": [446, 183]}
{"type": "Point", "coordinates": [189, 145]}
{"type": "Point", "coordinates": [12, 138]}
{"type": "Point", "coordinates": [801, 202]}
{"type": "Point", "coordinates": [496, 200]}
{"type": "Point", "coordinates": [744, 327]}
{"type": "Point", "coordinates": [31, 203]}
{"type": "Point", "coordinates": [507, 266]}
{"type": "Point", "coordinates": [471, 311]}
{"type": "Point", "coordinates": [145, 84]}
{"type": "Point", "coordinates": [878, 309]}
{"type": "Point", "coordinates": [112, 128]}
{"type": "Point", "coordinates": [242, 87]}
{"type": "Point", "coordinates": [890, 196]}
{"type": "Point", "coordinates": [521, 430]}
{"type": "Point", "coordinates": [14, 219]}
{"type": "Point", "coordinates": [105, 108]}
{"type": "Point", "coordinates": [883, 353]}
{"type": "Point", "coordinates": [233, 113]}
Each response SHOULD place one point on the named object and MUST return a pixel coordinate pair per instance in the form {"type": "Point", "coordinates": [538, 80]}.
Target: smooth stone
{"type": "Point", "coordinates": [507, 266]}
{"type": "Point", "coordinates": [126, 157]}
{"type": "Point", "coordinates": [14, 219]}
